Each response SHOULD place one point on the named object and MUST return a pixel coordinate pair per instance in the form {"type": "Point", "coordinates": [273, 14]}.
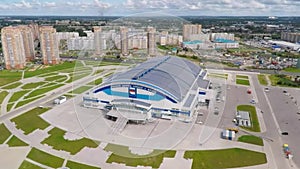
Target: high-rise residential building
{"type": "Point", "coordinates": [291, 36]}
{"type": "Point", "coordinates": [124, 40]}
{"type": "Point", "coordinates": [99, 40]}
{"type": "Point", "coordinates": [35, 31]}
{"type": "Point", "coordinates": [151, 41]}
{"type": "Point", "coordinates": [28, 42]}
{"type": "Point", "coordinates": [191, 29]}
{"type": "Point", "coordinates": [13, 48]}
{"type": "Point", "coordinates": [49, 45]}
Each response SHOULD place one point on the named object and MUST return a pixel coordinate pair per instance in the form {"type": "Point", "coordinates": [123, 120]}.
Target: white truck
{"type": "Point", "coordinates": [60, 100]}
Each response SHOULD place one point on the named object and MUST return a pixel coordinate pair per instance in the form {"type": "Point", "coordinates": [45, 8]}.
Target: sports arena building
{"type": "Point", "coordinates": [162, 87]}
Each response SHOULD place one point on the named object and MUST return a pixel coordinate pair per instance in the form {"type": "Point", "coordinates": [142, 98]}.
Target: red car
{"type": "Point", "coordinates": [249, 91]}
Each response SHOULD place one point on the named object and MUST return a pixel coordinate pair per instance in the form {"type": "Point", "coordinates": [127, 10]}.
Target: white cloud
{"type": "Point", "coordinates": [49, 4]}
{"type": "Point", "coordinates": [3, 6]}
{"type": "Point", "coordinates": [186, 7]}
{"type": "Point", "coordinates": [23, 4]}
{"type": "Point", "coordinates": [101, 4]}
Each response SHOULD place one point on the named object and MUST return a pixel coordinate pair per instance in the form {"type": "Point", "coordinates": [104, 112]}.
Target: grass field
{"type": "Point", "coordinates": [45, 158]}
{"type": "Point", "coordinates": [57, 141]}
{"type": "Point", "coordinates": [294, 70]}
{"type": "Point", "coordinates": [50, 69]}
{"type": "Point", "coordinates": [96, 82]}
{"type": "Point", "coordinates": [28, 165]}
{"type": "Point", "coordinates": [262, 79]}
{"type": "Point", "coordinates": [7, 77]}
{"type": "Point", "coordinates": [243, 82]}
{"type": "Point", "coordinates": [32, 85]}
{"type": "Point", "coordinates": [242, 77]}
{"type": "Point", "coordinates": [75, 165]}
{"type": "Point", "coordinates": [12, 86]}
{"type": "Point", "coordinates": [253, 116]}
{"type": "Point", "coordinates": [3, 94]}
{"type": "Point", "coordinates": [5, 133]}
{"type": "Point", "coordinates": [251, 139]}
{"type": "Point", "coordinates": [24, 102]}
{"type": "Point", "coordinates": [9, 107]}
{"type": "Point", "coordinates": [121, 154]}
{"type": "Point", "coordinates": [16, 142]}
{"type": "Point", "coordinates": [81, 89]}
{"type": "Point", "coordinates": [282, 80]}
{"type": "Point", "coordinates": [98, 71]}
{"type": "Point", "coordinates": [55, 78]}
{"type": "Point", "coordinates": [109, 74]}
{"type": "Point", "coordinates": [274, 79]}
{"type": "Point", "coordinates": [218, 75]}
{"type": "Point", "coordinates": [17, 95]}
{"type": "Point", "coordinates": [25, 121]}
{"type": "Point", "coordinates": [77, 76]}
{"type": "Point", "coordinates": [226, 158]}
{"type": "Point", "coordinates": [42, 91]}
{"type": "Point", "coordinates": [48, 74]}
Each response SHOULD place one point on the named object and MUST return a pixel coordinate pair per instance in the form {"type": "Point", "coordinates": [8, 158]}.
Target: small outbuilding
{"type": "Point", "coordinates": [243, 118]}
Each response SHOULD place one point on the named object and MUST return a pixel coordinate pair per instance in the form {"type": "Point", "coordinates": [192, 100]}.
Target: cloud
{"type": "Point", "coordinates": [176, 7]}
{"type": "Point", "coordinates": [101, 4]}
{"type": "Point", "coordinates": [3, 6]}
{"type": "Point", "coordinates": [23, 4]}
{"type": "Point", "coordinates": [49, 4]}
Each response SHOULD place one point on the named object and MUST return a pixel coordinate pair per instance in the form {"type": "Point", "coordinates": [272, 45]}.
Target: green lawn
{"type": "Point", "coordinates": [9, 107]}
{"type": "Point", "coordinates": [243, 82]}
{"type": "Point", "coordinates": [242, 77]}
{"type": "Point", "coordinates": [17, 95]}
{"type": "Point", "coordinates": [21, 103]}
{"type": "Point", "coordinates": [294, 70]}
{"type": "Point", "coordinates": [49, 84]}
{"type": "Point", "coordinates": [283, 80]}
{"type": "Point", "coordinates": [225, 158]}
{"type": "Point", "coordinates": [109, 74]}
{"type": "Point", "coordinates": [3, 94]}
{"type": "Point", "coordinates": [12, 86]}
{"type": "Point", "coordinates": [25, 121]}
{"type": "Point", "coordinates": [45, 158]}
{"type": "Point", "coordinates": [98, 71]}
{"type": "Point", "coordinates": [50, 69]}
{"type": "Point", "coordinates": [77, 76]}
{"type": "Point", "coordinates": [56, 78]}
{"type": "Point", "coordinates": [251, 139]}
{"type": "Point", "coordinates": [42, 91]}
{"type": "Point", "coordinates": [81, 89]}
{"type": "Point", "coordinates": [218, 75]}
{"type": "Point", "coordinates": [96, 82]}
{"type": "Point", "coordinates": [5, 133]}
{"type": "Point", "coordinates": [121, 154]}
{"type": "Point", "coordinates": [75, 165]}
{"type": "Point", "coordinates": [48, 74]}
{"type": "Point", "coordinates": [7, 76]}
{"type": "Point", "coordinates": [274, 79]}
{"type": "Point", "coordinates": [262, 79]}
{"type": "Point", "coordinates": [28, 165]}
{"type": "Point", "coordinates": [56, 139]}
{"type": "Point", "coordinates": [253, 116]}
{"type": "Point", "coordinates": [33, 85]}
{"type": "Point", "coordinates": [16, 142]}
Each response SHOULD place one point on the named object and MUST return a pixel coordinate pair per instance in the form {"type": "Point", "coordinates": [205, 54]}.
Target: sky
{"type": "Point", "coordinates": [134, 7]}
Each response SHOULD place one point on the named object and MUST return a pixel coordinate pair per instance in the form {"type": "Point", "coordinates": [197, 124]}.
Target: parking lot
{"type": "Point", "coordinates": [286, 109]}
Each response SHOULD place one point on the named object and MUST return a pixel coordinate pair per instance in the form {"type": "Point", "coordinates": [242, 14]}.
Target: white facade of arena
{"type": "Point", "coordinates": [161, 87]}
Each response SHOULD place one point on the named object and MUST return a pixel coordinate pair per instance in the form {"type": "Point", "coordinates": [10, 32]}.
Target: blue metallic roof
{"type": "Point", "coordinates": [173, 75]}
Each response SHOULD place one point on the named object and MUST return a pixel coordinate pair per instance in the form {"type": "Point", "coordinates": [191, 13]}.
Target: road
{"type": "Point", "coordinates": [272, 128]}
{"type": "Point", "coordinates": [285, 110]}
